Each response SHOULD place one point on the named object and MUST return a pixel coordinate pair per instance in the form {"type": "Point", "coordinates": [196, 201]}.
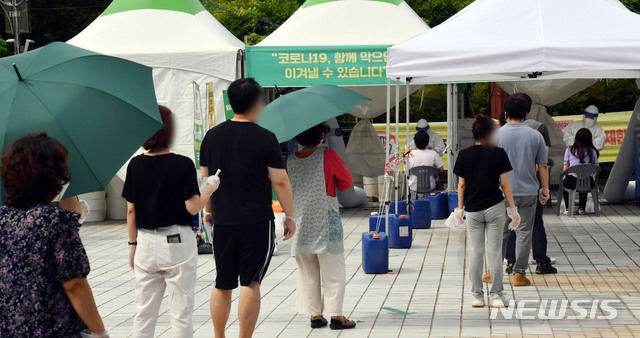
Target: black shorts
{"type": "Point", "coordinates": [242, 251]}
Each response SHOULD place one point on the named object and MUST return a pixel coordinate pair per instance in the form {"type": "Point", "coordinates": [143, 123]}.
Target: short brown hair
{"type": "Point", "coordinates": [34, 169]}
{"type": "Point", "coordinates": [164, 137]}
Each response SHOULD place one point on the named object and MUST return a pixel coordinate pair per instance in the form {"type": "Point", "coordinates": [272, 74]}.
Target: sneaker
{"type": "Point", "coordinates": [509, 269]}
{"type": "Point", "coordinates": [582, 211]}
{"type": "Point", "coordinates": [499, 301]}
{"type": "Point", "coordinates": [520, 280]}
{"type": "Point", "coordinates": [341, 323]}
{"type": "Point", "coordinates": [318, 322]}
{"type": "Point", "coordinates": [276, 249]}
{"type": "Point", "coordinates": [545, 269]}
{"type": "Point", "coordinates": [477, 302]}
{"type": "Point", "coordinates": [566, 213]}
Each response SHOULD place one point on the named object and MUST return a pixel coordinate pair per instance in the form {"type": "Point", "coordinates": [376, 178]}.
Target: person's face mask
{"type": "Point", "coordinates": [59, 195]}
{"type": "Point", "coordinates": [589, 122]}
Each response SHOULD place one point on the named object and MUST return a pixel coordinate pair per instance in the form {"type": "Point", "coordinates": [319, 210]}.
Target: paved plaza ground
{"type": "Point", "coordinates": [426, 294]}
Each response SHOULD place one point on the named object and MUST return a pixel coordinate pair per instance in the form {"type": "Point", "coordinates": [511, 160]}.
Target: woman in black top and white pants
{"type": "Point", "coordinates": [162, 193]}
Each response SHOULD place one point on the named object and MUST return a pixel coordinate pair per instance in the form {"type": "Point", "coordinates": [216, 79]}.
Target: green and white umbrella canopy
{"type": "Point", "coordinates": [180, 40]}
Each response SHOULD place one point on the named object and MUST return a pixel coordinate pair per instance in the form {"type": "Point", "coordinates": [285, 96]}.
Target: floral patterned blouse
{"type": "Point", "coordinates": [40, 249]}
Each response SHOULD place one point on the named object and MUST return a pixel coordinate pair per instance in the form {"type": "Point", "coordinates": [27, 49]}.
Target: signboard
{"type": "Point", "coordinates": [228, 111]}
{"type": "Point", "coordinates": [302, 66]}
{"type": "Point", "coordinates": [198, 124]}
{"type": "Point", "coordinates": [614, 125]}
{"type": "Point", "coordinates": [211, 121]}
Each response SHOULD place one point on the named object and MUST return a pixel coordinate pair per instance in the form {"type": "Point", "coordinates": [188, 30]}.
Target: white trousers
{"type": "Point", "coordinates": [318, 273]}
{"type": "Point", "coordinates": [158, 264]}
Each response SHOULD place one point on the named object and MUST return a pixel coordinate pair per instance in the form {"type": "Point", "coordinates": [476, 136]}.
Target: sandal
{"type": "Point", "coordinates": [341, 323]}
{"type": "Point", "coordinates": [318, 322]}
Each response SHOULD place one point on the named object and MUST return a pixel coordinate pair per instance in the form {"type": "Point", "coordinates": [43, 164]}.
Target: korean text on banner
{"type": "Point", "coordinates": [211, 121]}
{"type": "Point", "coordinates": [311, 65]}
{"type": "Point", "coordinates": [198, 123]}
{"type": "Point", "coordinates": [228, 111]}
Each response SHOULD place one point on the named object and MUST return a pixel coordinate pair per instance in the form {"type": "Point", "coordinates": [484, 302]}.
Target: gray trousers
{"type": "Point", "coordinates": [527, 210]}
{"type": "Point", "coordinates": [489, 222]}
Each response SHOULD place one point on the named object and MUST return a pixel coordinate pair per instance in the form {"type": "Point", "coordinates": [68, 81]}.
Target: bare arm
{"type": "Point", "coordinates": [544, 175]}
{"type": "Point", "coordinates": [197, 202]}
{"type": "Point", "coordinates": [72, 204]}
{"type": "Point", "coordinates": [442, 169]}
{"type": "Point", "coordinates": [132, 229]}
{"type": "Point", "coordinates": [461, 187]}
{"type": "Point", "coordinates": [282, 187]}
{"type": "Point", "coordinates": [204, 172]}
{"type": "Point", "coordinates": [81, 297]}
{"type": "Point", "coordinates": [565, 167]}
{"type": "Point", "coordinates": [506, 188]}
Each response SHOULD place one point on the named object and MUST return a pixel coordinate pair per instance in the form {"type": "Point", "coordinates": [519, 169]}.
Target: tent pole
{"type": "Point", "coordinates": [408, 104]}
{"type": "Point", "coordinates": [450, 133]}
{"type": "Point", "coordinates": [397, 152]}
{"type": "Point", "coordinates": [387, 183]}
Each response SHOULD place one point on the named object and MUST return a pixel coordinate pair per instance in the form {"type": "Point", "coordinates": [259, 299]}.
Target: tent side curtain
{"type": "Point", "coordinates": [302, 66]}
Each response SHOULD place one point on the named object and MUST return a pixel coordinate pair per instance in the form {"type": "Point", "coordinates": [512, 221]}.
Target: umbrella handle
{"type": "Point", "coordinates": [18, 73]}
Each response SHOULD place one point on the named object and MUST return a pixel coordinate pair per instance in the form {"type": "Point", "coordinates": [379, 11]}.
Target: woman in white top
{"type": "Point", "coordinates": [421, 156]}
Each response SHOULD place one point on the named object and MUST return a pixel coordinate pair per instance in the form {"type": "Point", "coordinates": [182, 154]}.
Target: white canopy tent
{"type": "Point", "coordinates": [503, 40]}
{"type": "Point", "coordinates": [361, 31]}
{"type": "Point", "coordinates": [181, 41]}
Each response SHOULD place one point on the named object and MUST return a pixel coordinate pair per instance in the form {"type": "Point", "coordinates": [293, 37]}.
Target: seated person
{"type": "Point", "coordinates": [420, 157]}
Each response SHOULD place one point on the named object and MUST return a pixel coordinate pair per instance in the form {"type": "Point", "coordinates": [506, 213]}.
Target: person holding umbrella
{"type": "Point", "coordinates": [43, 265]}
{"type": "Point", "coordinates": [318, 244]}
{"type": "Point", "coordinates": [162, 193]}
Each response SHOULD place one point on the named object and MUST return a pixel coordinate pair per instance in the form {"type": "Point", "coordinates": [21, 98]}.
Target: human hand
{"type": "Point", "coordinates": [208, 217]}
{"type": "Point", "coordinates": [86, 211]}
{"type": "Point", "coordinates": [132, 254]}
{"type": "Point", "coordinates": [289, 227]}
{"type": "Point", "coordinates": [459, 215]}
{"type": "Point", "coordinates": [543, 195]}
{"type": "Point", "coordinates": [214, 181]}
{"type": "Point", "coordinates": [515, 218]}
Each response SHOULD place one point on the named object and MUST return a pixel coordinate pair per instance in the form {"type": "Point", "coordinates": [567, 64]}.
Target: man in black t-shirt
{"type": "Point", "coordinates": [250, 162]}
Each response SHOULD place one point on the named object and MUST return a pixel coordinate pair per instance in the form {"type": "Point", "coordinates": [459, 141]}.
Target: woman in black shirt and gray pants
{"type": "Point", "coordinates": [162, 193]}
{"type": "Point", "coordinates": [482, 170]}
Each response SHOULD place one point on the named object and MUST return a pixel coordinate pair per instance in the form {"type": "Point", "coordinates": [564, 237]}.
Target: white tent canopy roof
{"type": "Point", "coordinates": [177, 34]}
{"type": "Point", "coordinates": [348, 22]}
{"type": "Point", "coordinates": [504, 40]}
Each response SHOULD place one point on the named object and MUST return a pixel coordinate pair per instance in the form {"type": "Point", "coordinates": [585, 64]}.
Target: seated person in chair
{"type": "Point", "coordinates": [581, 152]}
{"type": "Point", "coordinates": [421, 156]}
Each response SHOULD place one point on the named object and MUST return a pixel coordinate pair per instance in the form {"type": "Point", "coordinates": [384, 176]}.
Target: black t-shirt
{"type": "Point", "coordinates": [481, 167]}
{"type": "Point", "coordinates": [242, 151]}
{"type": "Point", "coordinates": [158, 186]}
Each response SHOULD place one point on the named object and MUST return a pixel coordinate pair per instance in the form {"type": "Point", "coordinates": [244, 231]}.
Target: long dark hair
{"type": "Point", "coordinates": [583, 146]}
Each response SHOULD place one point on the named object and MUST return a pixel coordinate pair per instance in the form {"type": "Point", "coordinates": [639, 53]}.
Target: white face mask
{"type": "Point", "coordinates": [59, 195]}
{"type": "Point", "coordinates": [589, 122]}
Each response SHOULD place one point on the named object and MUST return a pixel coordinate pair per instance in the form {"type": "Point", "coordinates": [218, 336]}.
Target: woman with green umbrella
{"type": "Point", "coordinates": [317, 245]}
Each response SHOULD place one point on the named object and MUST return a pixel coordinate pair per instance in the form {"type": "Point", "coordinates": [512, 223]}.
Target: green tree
{"type": "Point", "coordinates": [3, 47]}
{"type": "Point", "coordinates": [252, 19]}
{"type": "Point", "coordinates": [435, 12]}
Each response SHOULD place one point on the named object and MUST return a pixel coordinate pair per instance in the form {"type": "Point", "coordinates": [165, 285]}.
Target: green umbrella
{"type": "Point", "coordinates": [293, 113]}
{"type": "Point", "coordinates": [101, 108]}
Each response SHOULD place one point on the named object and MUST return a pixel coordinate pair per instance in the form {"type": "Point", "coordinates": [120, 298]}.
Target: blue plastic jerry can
{"type": "Point", "coordinates": [402, 207]}
{"type": "Point", "coordinates": [376, 219]}
{"type": "Point", "coordinates": [375, 252]}
{"type": "Point", "coordinates": [453, 201]}
{"type": "Point", "coordinates": [400, 231]}
{"type": "Point", "coordinates": [439, 204]}
{"type": "Point", "coordinates": [420, 214]}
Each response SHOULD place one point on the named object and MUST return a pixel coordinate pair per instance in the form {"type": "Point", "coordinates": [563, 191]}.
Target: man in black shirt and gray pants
{"type": "Point", "coordinates": [250, 162]}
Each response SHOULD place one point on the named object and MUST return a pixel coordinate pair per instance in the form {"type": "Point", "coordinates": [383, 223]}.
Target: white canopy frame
{"type": "Point", "coordinates": [462, 50]}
